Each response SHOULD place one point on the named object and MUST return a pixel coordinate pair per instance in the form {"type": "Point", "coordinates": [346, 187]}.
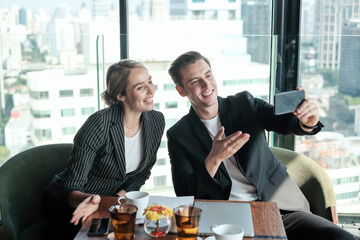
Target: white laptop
{"type": "Point", "coordinates": [216, 213]}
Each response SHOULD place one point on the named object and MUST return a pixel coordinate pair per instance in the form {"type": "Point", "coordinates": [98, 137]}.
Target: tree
{"type": "Point", "coordinates": [4, 154]}
{"type": "Point", "coordinates": [331, 77]}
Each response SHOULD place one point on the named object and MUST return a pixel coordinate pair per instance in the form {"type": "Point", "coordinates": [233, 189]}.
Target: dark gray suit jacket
{"type": "Point", "coordinates": [97, 161]}
{"type": "Point", "coordinates": [189, 143]}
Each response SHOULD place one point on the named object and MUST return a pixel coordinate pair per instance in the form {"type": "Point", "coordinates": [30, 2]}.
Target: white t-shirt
{"type": "Point", "coordinates": [133, 151]}
{"type": "Point", "coordinates": [242, 189]}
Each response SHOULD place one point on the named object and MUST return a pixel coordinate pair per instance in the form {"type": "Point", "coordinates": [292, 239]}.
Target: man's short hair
{"type": "Point", "coordinates": [182, 61]}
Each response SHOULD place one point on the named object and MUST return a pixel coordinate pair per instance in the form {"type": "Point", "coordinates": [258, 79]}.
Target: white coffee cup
{"type": "Point", "coordinates": [227, 232]}
{"type": "Point", "coordinates": [137, 198]}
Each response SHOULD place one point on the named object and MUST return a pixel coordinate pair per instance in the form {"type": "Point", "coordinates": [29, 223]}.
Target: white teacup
{"type": "Point", "coordinates": [137, 198]}
{"type": "Point", "coordinates": [227, 232]}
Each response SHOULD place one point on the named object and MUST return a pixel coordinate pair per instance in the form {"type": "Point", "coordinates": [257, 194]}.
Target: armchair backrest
{"type": "Point", "coordinates": [313, 181]}
{"type": "Point", "coordinates": [23, 180]}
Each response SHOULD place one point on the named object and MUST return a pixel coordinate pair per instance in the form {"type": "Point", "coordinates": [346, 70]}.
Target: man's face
{"type": "Point", "coordinates": [199, 85]}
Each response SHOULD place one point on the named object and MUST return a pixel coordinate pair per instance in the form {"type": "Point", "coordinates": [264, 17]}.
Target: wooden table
{"type": "Point", "coordinates": [266, 218]}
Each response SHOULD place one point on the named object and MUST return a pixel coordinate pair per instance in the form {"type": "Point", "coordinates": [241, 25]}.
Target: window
{"type": "Point", "coordinates": [157, 106]}
{"type": "Point", "coordinates": [169, 122]}
{"type": "Point", "coordinates": [40, 114]}
{"type": "Point", "coordinates": [170, 105]}
{"type": "Point", "coordinates": [334, 83]}
{"type": "Point", "coordinates": [89, 92]}
{"type": "Point", "coordinates": [160, 181]}
{"type": "Point", "coordinates": [43, 134]}
{"type": "Point", "coordinates": [244, 82]}
{"type": "Point", "coordinates": [160, 161]}
{"type": "Point", "coordinates": [70, 112]}
{"type": "Point", "coordinates": [39, 95]}
{"type": "Point", "coordinates": [198, 15]}
{"type": "Point", "coordinates": [68, 130]}
{"type": "Point", "coordinates": [66, 70]}
{"type": "Point", "coordinates": [66, 93]}
{"type": "Point", "coordinates": [232, 14]}
{"type": "Point", "coordinates": [87, 111]}
{"type": "Point", "coordinates": [169, 86]}
{"type": "Point", "coordinates": [348, 195]}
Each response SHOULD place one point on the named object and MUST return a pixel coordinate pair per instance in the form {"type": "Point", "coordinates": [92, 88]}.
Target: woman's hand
{"type": "Point", "coordinates": [88, 206]}
{"type": "Point", "coordinates": [121, 193]}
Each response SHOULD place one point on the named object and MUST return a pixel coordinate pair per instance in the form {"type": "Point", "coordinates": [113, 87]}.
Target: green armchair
{"type": "Point", "coordinates": [313, 181]}
{"type": "Point", "coordinates": [23, 179]}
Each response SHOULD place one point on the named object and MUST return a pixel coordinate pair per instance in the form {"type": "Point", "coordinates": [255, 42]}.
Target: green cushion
{"type": "Point", "coordinates": [23, 180]}
{"type": "Point", "coordinates": [313, 180]}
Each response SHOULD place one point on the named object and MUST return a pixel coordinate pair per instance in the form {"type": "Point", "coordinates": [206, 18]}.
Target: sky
{"type": "Point", "coordinates": [46, 4]}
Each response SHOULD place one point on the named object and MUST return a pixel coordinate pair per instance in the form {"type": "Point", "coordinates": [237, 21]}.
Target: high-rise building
{"type": "Point", "coordinates": [256, 18]}
{"type": "Point", "coordinates": [22, 16]}
{"type": "Point", "coordinates": [153, 10]}
{"type": "Point", "coordinates": [205, 9]}
{"type": "Point", "coordinates": [330, 18]}
{"type": "Point", "coordinates": [101, 8]}
{"type": "Point", "coordinates": [178, 9]}
{"type": "Point", "coordinates": [350, 58]}
{"type": "Point", "coordinates": [307, 18]}
{"type": "Point", "coordinates": [54, 116]}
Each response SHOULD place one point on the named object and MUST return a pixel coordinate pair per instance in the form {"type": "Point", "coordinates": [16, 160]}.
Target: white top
{"type": "Point", "coordinates": [241, 189]}
{"type": "Point", "coordinates": [133, 151]}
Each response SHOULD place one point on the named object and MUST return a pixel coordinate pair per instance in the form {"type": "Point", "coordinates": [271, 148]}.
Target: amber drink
{"type": "Point", "coordinates": [187, 222]}
{"type": "Point", "coordinates": [123, 220]}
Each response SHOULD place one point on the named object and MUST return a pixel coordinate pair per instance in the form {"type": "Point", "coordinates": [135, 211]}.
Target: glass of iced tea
{"type": "Point", "coordinates": [187, 222]}
{"type": "Point", "coordinates": [123, 218]}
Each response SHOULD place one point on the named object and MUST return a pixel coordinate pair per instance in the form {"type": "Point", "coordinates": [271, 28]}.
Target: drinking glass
{"type": "Point", "coordinates": [187, 222]}
{"type": "Point", "coordinates": [123, 220]}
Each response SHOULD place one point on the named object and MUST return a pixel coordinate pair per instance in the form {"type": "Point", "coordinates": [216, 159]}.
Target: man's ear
{"type": "Point", "coordinates": [181, 91]}
{"type": "Point", "coordinates": [120, 97]}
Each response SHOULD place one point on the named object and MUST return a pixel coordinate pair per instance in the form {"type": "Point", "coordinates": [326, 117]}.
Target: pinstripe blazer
{"type": "Point", "coordinates": [97, 160]}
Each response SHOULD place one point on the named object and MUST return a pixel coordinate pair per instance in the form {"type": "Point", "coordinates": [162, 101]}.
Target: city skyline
{"type": "Point", "coordinates": [72, 47]}
{"type": "Point", "coordinates": [49, 5]}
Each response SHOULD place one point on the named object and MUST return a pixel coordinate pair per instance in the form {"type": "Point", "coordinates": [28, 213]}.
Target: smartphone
{"type": "Point", "coordinates": [99, 227]}
{"type": "Point", "coordinates": [287, 102]}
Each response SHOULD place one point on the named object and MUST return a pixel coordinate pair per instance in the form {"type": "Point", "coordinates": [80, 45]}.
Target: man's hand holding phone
{"type": "Point", "coordinates": [288, 102]}
{"type": "Point", "coordinates": [307, 113]}
{"type": "Point", "coordinates": [303, 108]}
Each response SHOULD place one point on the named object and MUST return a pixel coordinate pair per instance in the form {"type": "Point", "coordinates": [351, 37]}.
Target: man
{"type": "Point", "coordinates": [219, 149]}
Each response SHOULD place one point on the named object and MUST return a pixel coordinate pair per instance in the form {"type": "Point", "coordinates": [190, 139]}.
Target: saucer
{"type": "Point", "coordinates": [111, 236]}
{"type": "Point", "coordinates": [199, 238]}
{"type": "Point", "coordinates": [210, 238]}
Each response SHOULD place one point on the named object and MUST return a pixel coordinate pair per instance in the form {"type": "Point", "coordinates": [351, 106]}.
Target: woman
{"type": "Point", "coordinates": [113, 151]}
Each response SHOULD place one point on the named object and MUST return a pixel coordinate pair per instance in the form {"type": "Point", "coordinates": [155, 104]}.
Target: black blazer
{"type": "Point", "coordinates": [97, 161]}
{"type": "Point", "coordinates": [189, 143]}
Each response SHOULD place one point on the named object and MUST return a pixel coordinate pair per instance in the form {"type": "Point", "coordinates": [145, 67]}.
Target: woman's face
{"type": "Point", "coordinates": [139, 92]}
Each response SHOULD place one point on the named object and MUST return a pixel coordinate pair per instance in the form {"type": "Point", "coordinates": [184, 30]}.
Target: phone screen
{"type": "Point", "coordinates": [287, 102]}
{"type": "Point", "coordinates": [99, 227]}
